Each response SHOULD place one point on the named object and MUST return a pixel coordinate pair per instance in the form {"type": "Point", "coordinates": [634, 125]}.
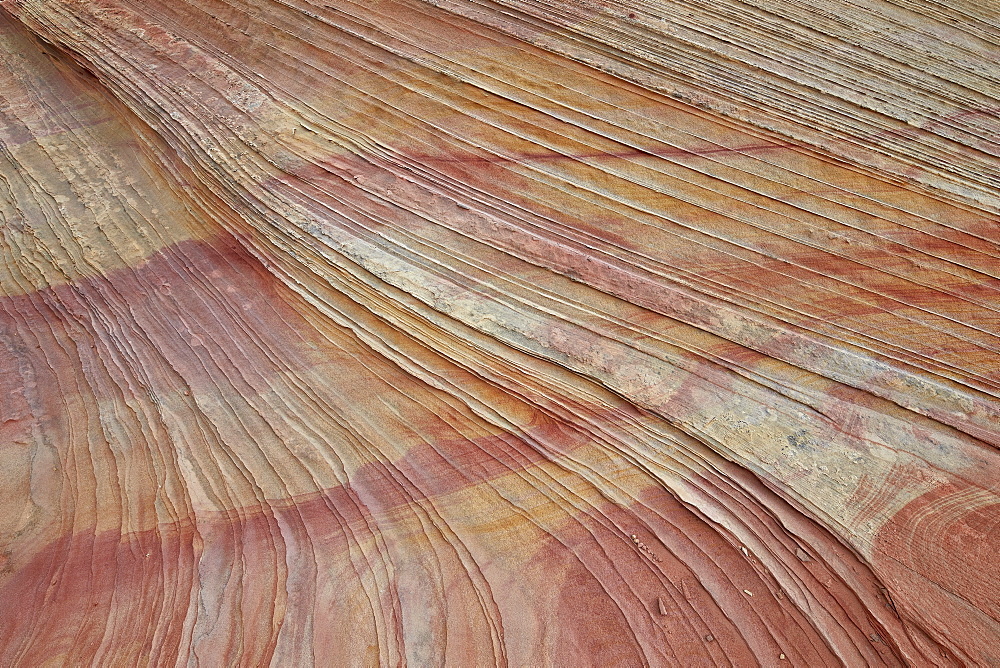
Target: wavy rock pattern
{"type": "Point", "coordinates": [500, 332]}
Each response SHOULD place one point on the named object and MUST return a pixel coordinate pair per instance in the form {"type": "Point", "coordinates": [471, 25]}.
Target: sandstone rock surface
{"type": "Point", "coordinates": [499, 332]}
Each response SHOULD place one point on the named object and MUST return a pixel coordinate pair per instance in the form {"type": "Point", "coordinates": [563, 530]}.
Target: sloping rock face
{"type": "Point", "coordinates": [499, 333]}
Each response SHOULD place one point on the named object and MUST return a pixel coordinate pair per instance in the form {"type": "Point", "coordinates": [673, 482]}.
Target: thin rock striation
{"type": "Point", "coordinates": [499, 332]}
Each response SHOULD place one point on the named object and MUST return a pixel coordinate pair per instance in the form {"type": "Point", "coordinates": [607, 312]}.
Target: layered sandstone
{"type": "Point", "coordinates": [520, 333]}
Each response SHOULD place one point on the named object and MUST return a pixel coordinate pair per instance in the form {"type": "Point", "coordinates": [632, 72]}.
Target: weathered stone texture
{"type": "Point", "coordinates": [510, 332]}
